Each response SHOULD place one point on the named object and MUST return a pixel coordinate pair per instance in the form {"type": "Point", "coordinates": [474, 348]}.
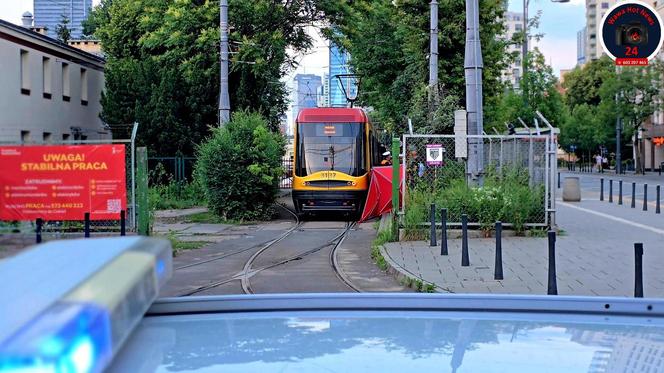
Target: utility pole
{"type": "Point", "coordinates": [224, 101]}
{"type": "Point", "coordinates": [433, 49]}
{"type": "Point", "coordinates": [524, 51]}
{"type": "Point", "coordinates": [473, 70]}
{"type": "Point", "coordinates": [618, 136]}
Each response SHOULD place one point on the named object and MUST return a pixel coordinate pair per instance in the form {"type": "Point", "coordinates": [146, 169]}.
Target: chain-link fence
{"type": "Point", "coordinates": [515, 178]}
{"type": "Point", "coordinates": [20, 234]}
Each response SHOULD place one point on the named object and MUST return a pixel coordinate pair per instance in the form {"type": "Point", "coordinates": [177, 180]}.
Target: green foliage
{"type": "Point", "coordinates": [505, 197]}
{"type": "Point", "coordinates": [239, 168]}
{"type": "Point", "coordinates": [163, 63]}
{"type": "Point", "coordinates": [175, 195]}
{"type": "Point", "coordinates": [179, 246]}
{"type": "Point", "coordinates": [389, 43]}
{"type": "Point", "coordinates": [62, 30]}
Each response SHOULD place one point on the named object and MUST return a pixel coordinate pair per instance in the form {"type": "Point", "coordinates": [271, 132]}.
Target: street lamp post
{"type": "Point", "coordinates": [224, 101]}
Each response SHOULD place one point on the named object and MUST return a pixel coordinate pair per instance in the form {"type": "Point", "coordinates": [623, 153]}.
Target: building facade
{"type": "Point", "coordinates": [581, 47]}
{"type": "Point", "coordinates": [339, 64]}
{"type": "Point", "coordinates": [49, 13]}
{"type": "Point", "coordinates": [49, 91]}
{"type": "Point", "coordinates": [595, 10]}
{"type": "Point", "coordinates": [513, 25]}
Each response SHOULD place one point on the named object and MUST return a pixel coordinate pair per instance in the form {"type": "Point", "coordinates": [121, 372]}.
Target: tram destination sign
{"type": "Point", "coordinates": [62, 182]}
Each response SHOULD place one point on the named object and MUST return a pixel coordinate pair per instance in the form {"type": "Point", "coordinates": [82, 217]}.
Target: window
{"type": "Point", "coordinates": [47, 77]}
{"type": "Point", "coordinates": [25, 136]}
{"type": "Point", "coordinates": [66, 87]}
{"type": "Point", "coordinates": [65, 136]}
{"type": "Point", "coordinates": [84, 87]}
{"type": "Point", "coordinates": [47, 137]}
{"type": "Point", "coordinates": [25, 73]}
{"type": "Point", "coordinates": [518, 27]}
{"type": "Point", "coordinates": [605, 5]}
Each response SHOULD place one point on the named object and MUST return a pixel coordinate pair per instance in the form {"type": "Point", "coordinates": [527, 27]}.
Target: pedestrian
{"type": "Point", "coordinates": [387, 159]}
{"type": "Point", "coordinates": [598, 162]}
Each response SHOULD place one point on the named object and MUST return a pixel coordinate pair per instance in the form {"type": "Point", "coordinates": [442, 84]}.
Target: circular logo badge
{"type": "Point", "coordinates": [631, 33]}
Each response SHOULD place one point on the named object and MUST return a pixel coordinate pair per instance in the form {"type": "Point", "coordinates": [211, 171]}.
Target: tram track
{"type": "Point", "coordinates": [250, 267]}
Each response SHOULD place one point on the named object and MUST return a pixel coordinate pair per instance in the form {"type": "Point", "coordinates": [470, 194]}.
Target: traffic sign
{"type": "Point", "coordinates": [435, 154]}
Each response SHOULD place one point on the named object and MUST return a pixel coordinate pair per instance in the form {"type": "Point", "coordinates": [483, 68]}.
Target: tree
{"type": "Point", "coordinates": [62, 30]}
{"type": "Point", "coordinates": [389, 42]}
{"type": "Point", "coordinates": [582, 84]}
{"type": "Point", "coordinates": [163, 63]}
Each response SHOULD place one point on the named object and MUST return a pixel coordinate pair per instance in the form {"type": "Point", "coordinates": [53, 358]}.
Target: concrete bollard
{"type": "Point", "coordinates": [638, 270]}
{"type": "Point", "coordinates": [552, 288]}
{"type": "Point", "coordinates": [443, 234]}
{"type": "Point", "coordinates": [433, 226]}
{"type": "Point", "coordinates": [571, 189]}
{"type": "Point", "coordinates": [498, 268]}
{"type": "Point", "coordinates": [465, 261]}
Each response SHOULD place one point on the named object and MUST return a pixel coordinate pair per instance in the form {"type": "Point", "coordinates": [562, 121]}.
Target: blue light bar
{"type": "Point", "coordinates": [69, 338]}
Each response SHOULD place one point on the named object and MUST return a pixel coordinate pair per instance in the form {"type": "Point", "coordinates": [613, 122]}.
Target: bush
{"type": "Point", "coordinates": [175, 195]}
{"type": "Point", "coordinates": [239, 167]}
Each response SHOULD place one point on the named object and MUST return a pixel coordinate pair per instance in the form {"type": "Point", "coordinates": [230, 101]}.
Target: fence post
{"type": "Point", "coordinates": [645, 197]}
{"type": "Point", "coordinates": [396, 179]}
{"type": "Point", "coordinates": [142, 191]}
{"type": "Point", "coordinates": [433, 226]}
{"type": "Point", "coordinates": [620, 192]}
{"type": "Point", "coordinates": [553, 283]}
{"type": "Point", "coordinates": [123, 230]}
{"type": "Point", "coordinates": [465, 261]}
{"type": "Point", "coordinates": [638, 270]}
{"type": "Point", "coordinates": [633, 195]}
{"type": "Point", "coordinates": [443, 233]}
{"type": "Point", "coordinates": [498, 270]}
{"type": "Point", "coordinates": [601, 192]}
{"type": "Point", "coordinates": [86, 226]}
{"type": "Point", "coordinates": [657, 209]}
{"type": "Point", "coordinates": [38, 230]}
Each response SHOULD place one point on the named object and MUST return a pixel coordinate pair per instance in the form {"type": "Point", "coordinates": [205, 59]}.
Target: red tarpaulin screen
{"type": "Point", "coordinates": [62, 182]}
{"type": "Point", "coordinates": [379, 196]}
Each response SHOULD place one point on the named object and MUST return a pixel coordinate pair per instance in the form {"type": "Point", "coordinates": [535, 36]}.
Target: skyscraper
{"type": "Point", "coordinates": [49, 13]}
{"type": "Point", "coordinates": [305, 91]}
{"type": "Point", "coordinates": [513, 25]}
{"type": "Point", "coordinates": [339, 65]}
{"type": "Point", "coordinates": [581, 46]}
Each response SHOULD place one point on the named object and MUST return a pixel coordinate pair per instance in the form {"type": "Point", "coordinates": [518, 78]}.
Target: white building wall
{"type": "Point", "coordinates": [39, 115]}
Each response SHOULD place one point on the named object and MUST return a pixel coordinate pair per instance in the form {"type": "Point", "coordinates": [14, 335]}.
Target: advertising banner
{"type": "Point", "coordinates": [62, 182]}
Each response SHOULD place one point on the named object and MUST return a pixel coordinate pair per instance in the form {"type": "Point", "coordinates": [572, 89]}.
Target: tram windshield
{"type": "Point", "coordinates": [331, 147]}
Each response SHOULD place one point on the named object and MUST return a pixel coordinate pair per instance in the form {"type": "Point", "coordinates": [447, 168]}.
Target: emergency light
{"type": "Point", "coordinates": [70, 305]}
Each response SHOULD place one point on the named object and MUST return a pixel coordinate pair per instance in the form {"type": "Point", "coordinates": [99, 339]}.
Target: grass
{"type": "Point", "coordinates": [382, 238]}
{"type": "Point", "coordinates": [179, 246]}
{"type": "Point", "coordinates": [208, 218]}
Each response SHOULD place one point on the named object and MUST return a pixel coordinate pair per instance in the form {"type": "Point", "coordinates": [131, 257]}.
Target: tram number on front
{"type": "Point", "coordinates": [329, 174]}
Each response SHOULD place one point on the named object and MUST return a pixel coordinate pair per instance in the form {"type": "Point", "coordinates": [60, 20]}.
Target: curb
{"type": "Point", "coordinates": [401, 273]}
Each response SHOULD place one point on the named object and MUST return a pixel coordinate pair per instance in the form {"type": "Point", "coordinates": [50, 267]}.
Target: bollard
{"type": "Point", "coordinates": [645, 197]}
{"type": "Point", "coordinates": [498, 270]}
{"type": "Point", "coordinates": [601, 192]}
{"type": "Point", "coordinates": [86, 227]}
{"type": "Point", "coordinates": [638, 270]}
{"type": "Point", "coordinates": [38, 230]}
{"type": "Point", "coordinates": [443, 234]}
{"type": "Point", "coordinates": [465, 262]}
{"type": "Point", "coordinates": [123, 223]}
{"type": "Point", "coordinates": [558, 180]}
{"type": "Point", "coordinates": [611, 191]}
{"type": "Point", "coordinates": [552, 285]}
{"type": "Point", "coordinates": [620, 192]}
{"type": "Point", "coordinates": [432, 241]}
{"type": "Point", "coordinates": [633, 195]}
{"type": "Point", "coordinates": [657, 210]}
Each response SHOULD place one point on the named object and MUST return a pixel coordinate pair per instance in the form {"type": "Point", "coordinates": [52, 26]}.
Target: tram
{"type": "Point", "coordinates": [335, 148]}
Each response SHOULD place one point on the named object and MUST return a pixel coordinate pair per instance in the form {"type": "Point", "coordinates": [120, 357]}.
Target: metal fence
{"type": "Point", "coordinates": [286, 180]}
{"type": "Point", "coordinates": [530, 156]}
{"type": "Point", "coordinates": [18, 233]}
{"type": "Point", "coordinates": [164, 170]}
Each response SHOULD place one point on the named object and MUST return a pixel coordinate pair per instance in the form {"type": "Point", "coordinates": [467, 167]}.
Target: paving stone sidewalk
{"type": "Point", "coordinates": [595, 256]}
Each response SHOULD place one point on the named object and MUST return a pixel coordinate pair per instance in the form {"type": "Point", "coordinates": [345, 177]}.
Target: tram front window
{"type": "Point", "coordinates": [330, 146]}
